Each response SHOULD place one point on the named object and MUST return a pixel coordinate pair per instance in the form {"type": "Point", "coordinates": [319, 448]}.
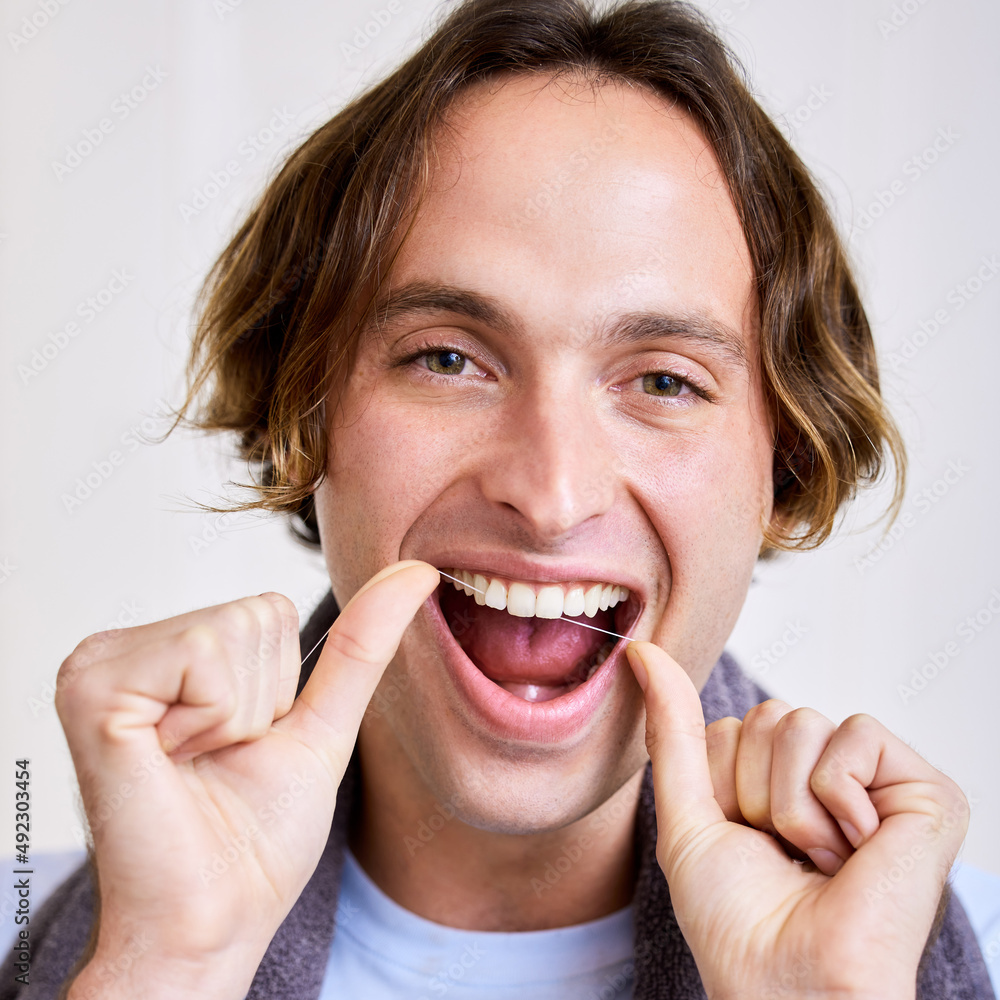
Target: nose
{"type": "Point", "coordinates": [551, 462]}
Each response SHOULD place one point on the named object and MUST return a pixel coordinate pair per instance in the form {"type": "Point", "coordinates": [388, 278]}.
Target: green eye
{"type": "Point", "coordinates": [445, 362]}
{"type": "Point", "coordinates": [660, 384]}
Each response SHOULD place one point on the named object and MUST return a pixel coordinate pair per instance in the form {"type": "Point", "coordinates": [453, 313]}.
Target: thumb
{"type": "Point", "coordinates": [675, 740]}
{"type": "Point", "coordinates": [359, 646]}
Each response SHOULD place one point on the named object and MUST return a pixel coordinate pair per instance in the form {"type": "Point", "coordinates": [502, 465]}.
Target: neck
{"type": "Point", "coordinates": [421, 855]}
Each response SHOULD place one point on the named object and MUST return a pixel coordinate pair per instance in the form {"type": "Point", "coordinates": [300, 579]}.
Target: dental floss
{"type": "Point", "coordinates": [313, 650]}
{"type": "Point", "coordinates": [478, 591]}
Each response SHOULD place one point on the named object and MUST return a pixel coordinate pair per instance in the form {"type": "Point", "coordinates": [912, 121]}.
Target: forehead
{"type": "Point", "coordinates": [571, 201]}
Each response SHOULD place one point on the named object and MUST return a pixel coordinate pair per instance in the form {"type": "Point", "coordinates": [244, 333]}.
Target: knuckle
{"type": "Point", "coordinates": [723, 733]}
{"type": "Point", "coordinates": [801, 717]}
{"type": "Point", "coordinates": [92, 648]}
{"type": "Point", "coordinates": [69, 671]}
{"type": "Point", "coordinates": [350, 648]}
{"type": "Point", "coordinates": [821, 780]}
{"type": "Point", "coordinates": [954, 809]}
{"type": "Point", "coordinates": [236, 622]}
{"type": "Point", "coordinates": [285, 609]}
{"type": "Point", "coordinates": [801, 722]}
{"type": "Point", "coordinates": [70, 676]}
{"type": "Point", "coordinates": [108, 729]}
{"type": "Point", "coordinates": [727, 724]}
{"type": "Point", "coordinates": [265, 613]}
{"type": "Point", "coordinates": [652, 736]}
{"type": "Point", "coordinates": [766, 713]}
{"type": "Point", "coordinates": [860, 722]}
{"type": "Point", "coordinates": [258, 728]}
{"type": "Point", "coordinates": [200, 645]}
{"type": "Point", "coordinates": [791, 821]}
{"type": "Point", "coordinates": [77, 684]}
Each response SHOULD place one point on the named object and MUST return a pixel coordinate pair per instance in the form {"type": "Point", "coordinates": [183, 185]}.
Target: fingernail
{"type": "Point", "coordinates": [386, 572]}
{"type": "Point", "coordinates": [638, 667]}
{"type": "Point", "coordinates": [851, 833]}
{"type": "Point", "coordinates": [826, 861]}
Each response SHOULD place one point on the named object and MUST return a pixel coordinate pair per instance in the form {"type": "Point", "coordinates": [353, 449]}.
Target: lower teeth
{"type": "Point", "coordinates": [602, 654]}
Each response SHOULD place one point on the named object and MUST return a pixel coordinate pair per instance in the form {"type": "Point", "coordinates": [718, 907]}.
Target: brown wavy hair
{"type": "Point", "coordinates": [280, 312]}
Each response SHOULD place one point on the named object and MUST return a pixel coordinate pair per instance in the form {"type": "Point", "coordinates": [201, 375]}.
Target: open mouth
{"type": "Point", "coordinates": [536, 641]}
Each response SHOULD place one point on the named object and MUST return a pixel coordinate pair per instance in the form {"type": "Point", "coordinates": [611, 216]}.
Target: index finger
{"type": "Point", "coordinates": [677, 745]}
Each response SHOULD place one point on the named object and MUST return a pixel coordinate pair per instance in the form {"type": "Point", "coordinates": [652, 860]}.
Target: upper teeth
{"type": "Point", "coordinates": [526, 600]}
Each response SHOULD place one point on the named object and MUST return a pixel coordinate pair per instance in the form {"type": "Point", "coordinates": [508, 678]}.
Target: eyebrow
{"type": "Point", "coordinates": [424, 298]}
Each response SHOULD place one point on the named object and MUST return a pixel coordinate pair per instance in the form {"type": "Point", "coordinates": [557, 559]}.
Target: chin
{"type": "Point", "coordinates": [521, 724]}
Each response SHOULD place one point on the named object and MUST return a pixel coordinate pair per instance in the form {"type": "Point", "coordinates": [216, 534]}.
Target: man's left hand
{"type": "Point", "coordinates": [880, 828]}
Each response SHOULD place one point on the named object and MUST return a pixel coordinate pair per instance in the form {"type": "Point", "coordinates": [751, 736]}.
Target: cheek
{"type": "Point", "coordinates": [386, 466]}
{"type": "Point", "coordinates": [711, 493]}
{"type": "Point", "coordinates": [707, 499]}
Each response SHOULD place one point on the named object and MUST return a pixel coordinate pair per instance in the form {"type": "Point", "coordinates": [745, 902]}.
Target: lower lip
{"type": "Point", "coordinates": [508, 717]}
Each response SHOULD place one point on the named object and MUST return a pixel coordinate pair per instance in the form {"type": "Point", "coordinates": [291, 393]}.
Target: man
{"type": "Point", "coordinates": [556, 311]}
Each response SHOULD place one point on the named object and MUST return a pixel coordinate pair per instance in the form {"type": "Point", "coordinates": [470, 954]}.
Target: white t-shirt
{"type": "Point", "coordinates": [381, 950]}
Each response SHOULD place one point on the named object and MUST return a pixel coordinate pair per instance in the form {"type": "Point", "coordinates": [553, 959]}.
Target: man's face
{"type": "Point", "coordinates": [563, 393]}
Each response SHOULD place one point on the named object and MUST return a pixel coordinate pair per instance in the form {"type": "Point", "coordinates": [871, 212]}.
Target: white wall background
{"type": "Point", "coordinates": [839, 629]}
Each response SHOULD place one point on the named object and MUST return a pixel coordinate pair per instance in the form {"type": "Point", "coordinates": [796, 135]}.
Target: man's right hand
{"type": "Point", "coordinates": [209, 787]}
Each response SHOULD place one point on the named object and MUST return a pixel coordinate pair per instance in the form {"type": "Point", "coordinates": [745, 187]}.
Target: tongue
{"type": "Point", "coordinates": [536, 652]}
